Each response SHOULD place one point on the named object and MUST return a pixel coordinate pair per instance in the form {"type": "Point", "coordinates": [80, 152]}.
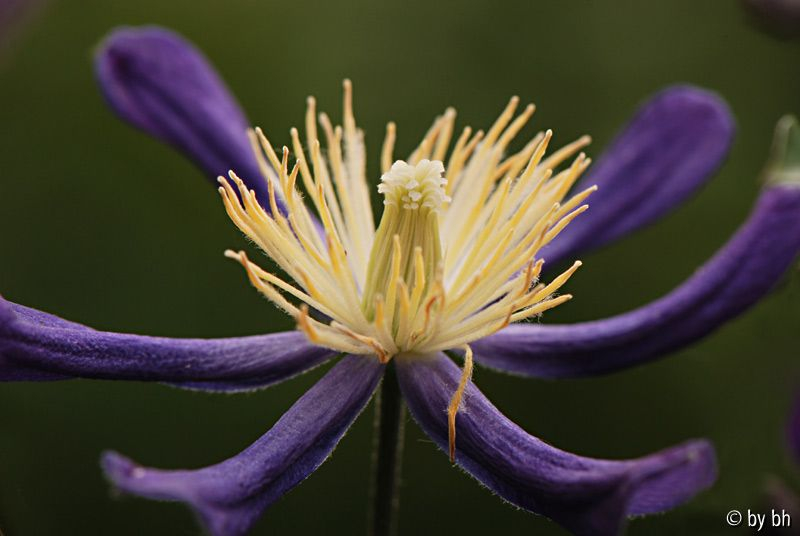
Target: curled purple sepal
{"type": "Point", "coordinates": [587, 496]}
{"type": "Point", "coordinates": [736, 278]}
{"type": "Point", "coordinates": [230, 496]}
{"type": "Point", "coordinates": [159, 82]}
{"type": "Point", "coordinates": [674, 143]}
{"type": "Point", "coordinates": [36, 346]}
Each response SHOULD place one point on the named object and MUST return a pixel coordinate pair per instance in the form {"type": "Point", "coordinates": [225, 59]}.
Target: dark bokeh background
{"type": "Point", "coordinates": [104, 226]}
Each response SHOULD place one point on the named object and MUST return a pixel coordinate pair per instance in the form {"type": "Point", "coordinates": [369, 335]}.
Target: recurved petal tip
{"type": "Point", "coordinates": [135, 64]}
{"type": "Point", "coordinates": [129, 477]}
{"type": "Point", "coordinates": [159, 82]}
{"type": "Point", "coordinates": [678, 474]}
{"type": "Point", "coordinates": [671, 146]}
{"type": "Point", "coordinates": [119, 469]}
{"type": "Point", "coordinates": [587, 496]}
{"type": "Point", "coordinates": [783, 166]}
{"type": "Point", "coordinates": [230, 496]}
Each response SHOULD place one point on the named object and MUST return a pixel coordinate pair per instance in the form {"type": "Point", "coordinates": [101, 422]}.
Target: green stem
{"type": "Point", "coordinates": [389, 424]}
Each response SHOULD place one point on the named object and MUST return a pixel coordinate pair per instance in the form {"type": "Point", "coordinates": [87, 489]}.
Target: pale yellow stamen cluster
{"type": "Point", "coordinates": [454, 258]}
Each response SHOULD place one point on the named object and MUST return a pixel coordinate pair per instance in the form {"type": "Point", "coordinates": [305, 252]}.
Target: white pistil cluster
{"type": "Point", "coordinates": [452, 260]}
{"type": "Point", "coordinates": [410, 186]}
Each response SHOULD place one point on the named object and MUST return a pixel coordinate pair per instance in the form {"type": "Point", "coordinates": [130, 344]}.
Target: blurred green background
{"type": "Point", "coordinates": [102, 225]}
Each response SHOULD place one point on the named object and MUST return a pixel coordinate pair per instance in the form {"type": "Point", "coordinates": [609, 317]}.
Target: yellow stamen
{"type": "Point", "coordinates": [455, 402]}
{"type": "Point", "coordinates": [455, 256]}
{"type": "Point", "coordinates": [388, 147]}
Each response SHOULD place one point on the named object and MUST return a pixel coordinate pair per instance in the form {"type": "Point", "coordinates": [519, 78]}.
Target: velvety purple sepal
{"type": "Point", "coordinates": [230, 496]}
{"type": "Point", "coordinates": [735, 279]}
{"type": "Point", "coordinates": [674, 143]}
{"type": "Point", "coordinates": [585, 495]}
{"type": "Point", "coordinates": [36, 346]}
{"type": "Point", "coordinates": [159, 82]}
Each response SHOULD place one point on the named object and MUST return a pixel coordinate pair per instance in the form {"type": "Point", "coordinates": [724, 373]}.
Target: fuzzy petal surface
{"type": "Point", "coordinates": [585, 495]}
{"type": "Point", "coordinates": [160, 83]}
{"type": "Point", "coordinates": [667, 151]}
{"type": "Point", "coordinates": [230, 496]}
{"type": "Point", "coordinates": [36, 346]}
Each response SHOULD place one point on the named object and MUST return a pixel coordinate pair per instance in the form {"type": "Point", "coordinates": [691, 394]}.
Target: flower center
{"type": "Point", "coordinates": [451, 261]}
{"type": "Point", "coordinates": [408, 231]}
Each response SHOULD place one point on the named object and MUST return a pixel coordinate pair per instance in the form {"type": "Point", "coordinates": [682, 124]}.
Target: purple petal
{"type": "Point", "coordinates": [736, 278]}
{"type": "Point", "coordinates": [38, 346]}
{"type": "Point", "coordinates": [585, 495]}
{"type": "Point", "coordinates": [230, 496]}
{"type": "Point", "coordinates": [673, 144]}
{"type": "Point", "coordinates": [159, 82]}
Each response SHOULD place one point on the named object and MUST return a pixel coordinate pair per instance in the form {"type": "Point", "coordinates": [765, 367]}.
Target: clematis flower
{"type": "Point", "coordinates": [454, 263]}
